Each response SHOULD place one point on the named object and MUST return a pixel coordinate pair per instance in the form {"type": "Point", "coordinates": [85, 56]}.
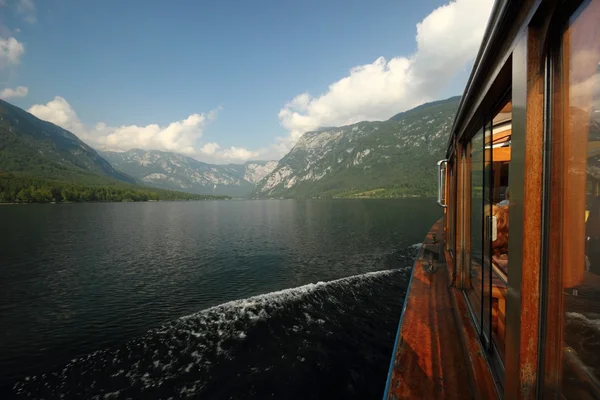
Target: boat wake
{"type": "Point", "coordinates": [324, 339]}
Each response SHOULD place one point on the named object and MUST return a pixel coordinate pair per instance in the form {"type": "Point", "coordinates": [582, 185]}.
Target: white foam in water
{"type": "Point", "coordinates": [192, 340]}
{"type": "Point", "coordinates": [286, 294]}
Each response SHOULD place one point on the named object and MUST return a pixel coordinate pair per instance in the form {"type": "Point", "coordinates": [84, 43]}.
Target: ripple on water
{"type": "Point", "coordinates": [259, 343]}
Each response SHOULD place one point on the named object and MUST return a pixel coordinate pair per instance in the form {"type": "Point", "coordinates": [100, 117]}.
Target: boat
{"type": "Point", "coordinates": [504, 298]}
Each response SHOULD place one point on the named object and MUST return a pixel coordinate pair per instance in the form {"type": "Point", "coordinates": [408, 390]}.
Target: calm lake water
{"type": "Point", "coordinates": [92, 295]}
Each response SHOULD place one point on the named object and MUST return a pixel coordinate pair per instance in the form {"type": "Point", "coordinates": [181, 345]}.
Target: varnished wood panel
{"type": "Point", "coordinates": [450, 223]}
{"type": "Point", "coordinates": [480, 377]}
{"type": "Point", "coordinates": [525, 214]}
{"type": "Point", "coordinates": [501, 154]}
{"type": "Point", "coordinates": [431, 361]}
{"type": "Point", "coordinates": [532, 222]}
{"type": "Point", "coordinates": [554, 277]}
{"type": "Point", "coordinates": [503, 136]}
{"type": "Point", "coordinates": [573, 181]}
{"type": "Point", "coordinates": [466, 222]}
{"type": "Point", "coordinates": [459, 278]}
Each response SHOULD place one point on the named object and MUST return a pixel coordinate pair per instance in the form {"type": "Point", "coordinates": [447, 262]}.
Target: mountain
{"type": "Point", "coordinates": [39, 148]}
{"type": "Point", "coordinates": [41, 162]}
{"type": "Point", "coordinates": [174, 171]}
{"type": "Point", "coordinates": [368, 159]}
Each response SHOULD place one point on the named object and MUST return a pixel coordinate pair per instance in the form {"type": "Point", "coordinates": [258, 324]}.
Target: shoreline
{"type": "Point", "coordinates": [237, 199]}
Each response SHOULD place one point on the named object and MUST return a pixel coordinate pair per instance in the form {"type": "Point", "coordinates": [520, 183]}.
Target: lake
{"type": "Point", "coordinates": [216, 299]}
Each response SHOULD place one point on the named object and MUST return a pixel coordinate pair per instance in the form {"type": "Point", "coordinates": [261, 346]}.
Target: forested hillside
{"type": "Point", "coordinates": [24, 189]}
{"type": "Point", "coordinates": [41, 162]}
{"type": "Point", "coordinates": [39, 148]}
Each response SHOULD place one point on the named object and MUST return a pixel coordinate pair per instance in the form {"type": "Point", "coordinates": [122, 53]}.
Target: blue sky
{"type": "Point", "coordinates": [230, 80]}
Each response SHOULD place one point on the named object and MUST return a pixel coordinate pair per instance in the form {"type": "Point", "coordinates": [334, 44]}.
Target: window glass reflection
{"type": "Point", "coordinates": [575, 212]}
{"type": "Point", "coordinates": [499, 154]}
{"type": "Point", "coordinates": [476, 272]}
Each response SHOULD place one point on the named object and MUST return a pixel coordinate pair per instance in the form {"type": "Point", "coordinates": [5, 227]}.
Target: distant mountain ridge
{"type": "Point", "coordinates": [42, 163]}
{"type": "Point", "coordinates": [29, 145]}
{"type": "Point", "coordinates": [174, 171]}
{"type": "Point", "coordinates": [392, 158]}
{"type": "Point", "coordinates": [368, 159]}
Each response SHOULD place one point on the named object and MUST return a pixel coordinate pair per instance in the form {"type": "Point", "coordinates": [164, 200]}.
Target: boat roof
{"type": "Point", "coordinates": [506, 20]}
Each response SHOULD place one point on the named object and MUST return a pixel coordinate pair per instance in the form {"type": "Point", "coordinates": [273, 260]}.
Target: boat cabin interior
{"type": "Point", "coordinates": [504, 299]}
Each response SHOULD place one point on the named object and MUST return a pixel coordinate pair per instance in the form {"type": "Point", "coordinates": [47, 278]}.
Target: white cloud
{"type": "Point", "coordinates": [179, 136]}
{"type": "Point", "coordinates": [59, 112]}
{"type": "Point", "coordinates": [212, 152]}
{"type": "Point", "coordinates": [209, 149]}
{"type": "Point", "coordinates": [11, 51]}
{"type": "Point", "coordinates": [19, 91]}
{"type": "Point", "coordinates": [447, 39]}
{"type": "Point", "coordinates": [27, 9]}
{"type": "Point", "coordinates": [238, 154]}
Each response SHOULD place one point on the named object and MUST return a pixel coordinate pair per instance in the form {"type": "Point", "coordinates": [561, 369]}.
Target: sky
{"type": "Point", "coordinates": [228, 81]}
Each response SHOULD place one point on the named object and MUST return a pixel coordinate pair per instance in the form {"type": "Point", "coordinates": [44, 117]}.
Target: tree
{"type": "Point", "coordinates": [41, 195]}
{"type": "Point", "coordinates": [24, 196]}
{"type": "Point", "coordinates": [56, 194]}
{"type": "Point", "coordinates": [67, 195]}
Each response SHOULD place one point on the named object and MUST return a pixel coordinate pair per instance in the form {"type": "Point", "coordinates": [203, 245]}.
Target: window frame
{"type": "Point", "coordinates": [521, 74]}
{"type": "Point", "coordinates": [553, 307]}
{"type": "Point", "coordinates": [528, 47]}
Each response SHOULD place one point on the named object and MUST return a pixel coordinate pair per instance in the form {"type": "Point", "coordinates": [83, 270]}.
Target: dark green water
{"type": "Point", "coordinates": [78, 278]}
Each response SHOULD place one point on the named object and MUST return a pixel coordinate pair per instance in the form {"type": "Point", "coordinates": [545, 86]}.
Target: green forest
{"type": "Point", "coordinates": [16, 188]}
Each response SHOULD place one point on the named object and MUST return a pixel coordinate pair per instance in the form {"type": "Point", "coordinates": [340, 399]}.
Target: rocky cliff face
{"type": "Point", "coordinates": [175, 171]}
{"type": "Point", "coordinates": [368, 159]}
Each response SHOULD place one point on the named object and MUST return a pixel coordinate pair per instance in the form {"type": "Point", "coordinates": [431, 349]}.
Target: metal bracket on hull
{"type": "Point", "coordinates": [441, 182]}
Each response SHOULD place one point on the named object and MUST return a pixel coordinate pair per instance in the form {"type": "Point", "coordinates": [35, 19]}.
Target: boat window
{"type": "Point", "coordinates": [475, 278]}
{"type": "Point", "coordinates": [573, 297]}
{"type": "Point", "coordinates": [486, 282]}
{"type": "Point", "coordinates": [498, 153]}
{"type": "Point", "coordinates": [449, 210]}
